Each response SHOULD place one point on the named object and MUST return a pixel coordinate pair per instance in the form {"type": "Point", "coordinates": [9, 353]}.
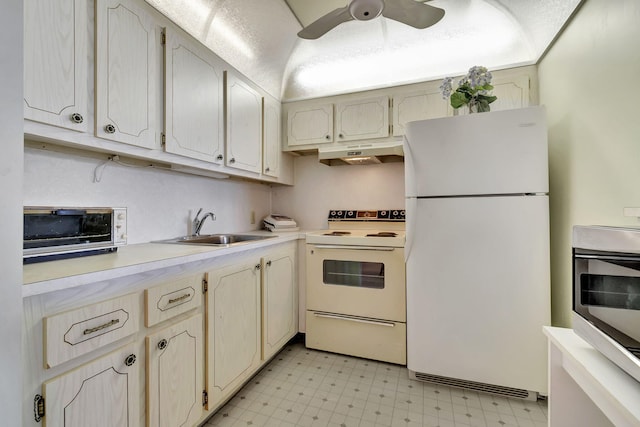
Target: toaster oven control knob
{"type": "Point", "coordinates": [121, 216]}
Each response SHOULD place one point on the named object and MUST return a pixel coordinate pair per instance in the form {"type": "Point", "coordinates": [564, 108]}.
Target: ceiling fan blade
{"type": "Point", "coordinates": [326, 23]}
{"type": "Point", "coordinates": [410, 12]}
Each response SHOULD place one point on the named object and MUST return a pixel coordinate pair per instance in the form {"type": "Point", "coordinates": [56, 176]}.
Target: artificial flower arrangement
{"type": "Point", "coordinates": [473, 90]}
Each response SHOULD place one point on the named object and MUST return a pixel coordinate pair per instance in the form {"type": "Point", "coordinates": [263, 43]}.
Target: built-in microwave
{"type": "Point", "coordinates": [51, 233]}
{"type": "Point", "coordinates": [606, 292]}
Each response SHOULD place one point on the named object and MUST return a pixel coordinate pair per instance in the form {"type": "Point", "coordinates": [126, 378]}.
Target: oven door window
{"type": "Point", "coordinates": [358, 274]}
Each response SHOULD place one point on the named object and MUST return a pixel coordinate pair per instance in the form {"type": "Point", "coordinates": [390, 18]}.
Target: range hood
{"type": "Point", "coordinates": [363, 154]}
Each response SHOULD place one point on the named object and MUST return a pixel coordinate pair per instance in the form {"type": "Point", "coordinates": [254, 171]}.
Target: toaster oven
{"type": "Point", "coordinates": [63, 232]}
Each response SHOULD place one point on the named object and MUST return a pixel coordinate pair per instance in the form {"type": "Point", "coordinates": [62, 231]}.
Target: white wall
{"type": "Point", "coordinates": [320, 188]}
{"type": "Point", "coordinates": [11, 60]}
{"type": "Point", "coordinates": [589, 84]}
{"type": "Point", "coordinates": [159, 204]}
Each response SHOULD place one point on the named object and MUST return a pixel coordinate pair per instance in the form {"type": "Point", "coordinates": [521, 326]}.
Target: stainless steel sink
{"type": "Point", "coordinates": [216, 239]}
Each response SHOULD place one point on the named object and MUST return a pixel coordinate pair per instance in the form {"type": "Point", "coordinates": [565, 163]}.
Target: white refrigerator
{"type": "Point", "coordinates": [477, 251]}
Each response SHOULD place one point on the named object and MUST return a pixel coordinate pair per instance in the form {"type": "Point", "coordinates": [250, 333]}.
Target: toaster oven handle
{"type": "Point", "coordinates": [69, 212]}
{"type": "Point", "coordinates": [357, 248]}
{"type": "Point", "coordinates": [608, 257]}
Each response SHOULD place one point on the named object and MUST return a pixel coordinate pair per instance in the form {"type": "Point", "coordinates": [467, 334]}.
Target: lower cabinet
{"type": "Point", "coordinates": [279, 299]}
{"type": "Point", "coordinates": [233, 328]}
{"type": "Point", "coordinates": [102, 393]}
{"type": "Point", "coordinates": [175, 380]}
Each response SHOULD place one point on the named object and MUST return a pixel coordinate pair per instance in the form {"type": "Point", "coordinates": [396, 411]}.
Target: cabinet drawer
{"type": "Point", "coordinates": [172, 298]}
{"type": "Point", "coordinates": [77, 332]}
{"type": "Point", "coordinates": [355, 336]}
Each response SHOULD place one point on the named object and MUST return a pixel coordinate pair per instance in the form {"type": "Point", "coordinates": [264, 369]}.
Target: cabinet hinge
{"type": "Point", "coordinates": [390, 102]}
{"type": "Point", "coordinates": [205, 285]}
{"type": "Point", "coordinates": [163, 38]}
{"type": "Point", "coordinates": [205, 397]}
{"type": "Point", "coordinates": [163, 138]}
{"type": "Point", "coordinates": [38, 407]}
{"type": "Point", "coordinates": [390, 129]}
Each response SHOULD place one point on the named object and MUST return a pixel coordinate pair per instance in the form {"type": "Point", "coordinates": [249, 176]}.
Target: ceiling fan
{"type": "Point", "coordinates": [410, 12]}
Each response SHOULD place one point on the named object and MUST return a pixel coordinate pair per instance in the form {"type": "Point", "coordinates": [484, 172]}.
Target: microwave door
{"type": "Point", "coordinates": [609, 294]}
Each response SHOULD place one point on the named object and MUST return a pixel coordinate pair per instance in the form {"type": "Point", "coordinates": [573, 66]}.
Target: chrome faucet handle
{"type": "Point", "coordinates": [197, 223]}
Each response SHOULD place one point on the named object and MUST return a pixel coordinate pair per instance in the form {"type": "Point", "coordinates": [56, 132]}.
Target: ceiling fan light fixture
{"type": "Point", "coordinates": [365, 10]}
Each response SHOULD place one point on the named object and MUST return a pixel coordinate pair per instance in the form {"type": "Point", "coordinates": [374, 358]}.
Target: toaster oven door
{"type": "Point", "coordinates": [607, 294]}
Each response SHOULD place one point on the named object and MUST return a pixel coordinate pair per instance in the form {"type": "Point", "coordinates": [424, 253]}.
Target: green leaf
{"type": "Point", "coordinates": [458, 99]}
{"type": "Point", "coordinates": [483, 106]}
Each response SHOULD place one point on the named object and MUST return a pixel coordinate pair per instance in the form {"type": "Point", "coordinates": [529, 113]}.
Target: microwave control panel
{"type": "Point", "coordinates": [119, 226]}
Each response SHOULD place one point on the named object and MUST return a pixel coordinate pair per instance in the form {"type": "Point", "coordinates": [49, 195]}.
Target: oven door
{"type": "Point", "coordinates": [365, 281]}
{"type": "Point", "coordinates": [607, 294]}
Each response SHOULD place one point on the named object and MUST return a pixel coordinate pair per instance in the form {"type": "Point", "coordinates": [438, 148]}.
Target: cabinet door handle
{"type": "Point", "coordinates": [110, 128]}
{"type": "Point", "coordinates": [130, 360]}
{"type": "Point", "coordinates": [327, 137]}
{"type": "Point", "coordinates": [162, 344]}
{"type": "Point", "coordinates": [268, 263]}
{"type": "Point", "coordinates": [232, 160]}
{"type": "Point", "coordinates": [219, 157]}
{"type": "Point", "coordinates": [266, 169]}
{"type": "Point", "coordinates": [77, 118]}
{"type": "Point", "coordinates": [101, 327]}
{"type": "Point", "coordinates": [341, 135]}
{"type": "Point", "coordinates": [178, 299]}
{"type": "Point", "coordinates": [258, 267]}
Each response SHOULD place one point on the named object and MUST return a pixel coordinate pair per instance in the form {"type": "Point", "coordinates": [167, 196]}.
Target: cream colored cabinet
{"type": "Point", "coordinates": [244, 125]}
{"type": "Point", "coordinates": [426, 103]}
{"type": "Point", "coordinates": [279, 299]}
{"type": "Point", "coordinates": [233, 328]}
{"type": "Point", "coordinates": [362, 119]}
{"type": "Point", "coordinates": [172, 298]}
{"type": "Point", "coordinates": [102, 393]}
{"type": "Point", "coordinates": [271, 138]}
{"type": "Point", "coordinates": [194, 99]}
{"type": "Point", "coordinates": [309, 124]}
{"type": "Point", "coordinates": [511, 92]}
{"type": "Point", "coordinates": [126, 73]}
{"type": "Point", "coordinates": [73, 333]}
{"type": "Point", "coordinates": [175, 379]}
{"type": "Point", "coordinates": [55, 64]}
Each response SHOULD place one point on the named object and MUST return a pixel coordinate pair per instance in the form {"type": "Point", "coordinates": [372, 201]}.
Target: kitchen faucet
{"type": "Point", "coordinates": [197, 223]}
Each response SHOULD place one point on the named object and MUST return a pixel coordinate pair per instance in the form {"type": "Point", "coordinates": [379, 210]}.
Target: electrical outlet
{"type": "Point", "coordinates": [253, 217]}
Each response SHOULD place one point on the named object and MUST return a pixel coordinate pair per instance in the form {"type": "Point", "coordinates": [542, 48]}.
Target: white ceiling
{"type": "Point", "coordinates": [259, 39]}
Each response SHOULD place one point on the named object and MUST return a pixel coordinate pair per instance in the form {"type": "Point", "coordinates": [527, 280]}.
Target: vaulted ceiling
{"type": "Point", "coordinates": [259, 38]}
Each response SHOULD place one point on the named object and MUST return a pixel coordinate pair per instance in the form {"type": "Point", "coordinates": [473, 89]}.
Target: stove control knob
{"type": "Point", "coordinates": [350, 214]}
{"type": "Point", "coordinates": [383, 213]}
{"type": "Point", "coordinates": [339, 214]}
{"type": "Point", "coordinates": [395, 213]}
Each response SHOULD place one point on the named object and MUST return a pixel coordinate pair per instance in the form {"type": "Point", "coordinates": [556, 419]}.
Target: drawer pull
{"type": "Point", "coordinates": [175, 300]}
{"type": "Point", "coordinates": [355, 319]}
{"type": "Point", "coordinates": [101, 327]}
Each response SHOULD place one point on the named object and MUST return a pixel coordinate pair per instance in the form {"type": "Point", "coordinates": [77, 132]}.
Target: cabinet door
{"type": "Point", "coordinates": [233, 328]}
{"type": "Point", "coordinates": [308, 125]}
{"type": "Point", "coordinates": [244, 126]}
{"type": "Point", "coordinates": [55, 64]}
{"type": "Point", "coordinates": [175, 378]}
{"type": "Point", "coordinates": [512, 93]}
{"type": "Point", "coordinates": [417, 105]}
{"type": "Point", "coordinates": [194, 99]}
{"type": "Point", "coordinates": [126, 44]}
{"type": "Point", "coordinates": [362, 119]}
{"type": "Point", "coordinates": [279, 300]}
{"type": "Point", "coordinates": [103, 393]}
{"type": "Point", "coordinates": [272, 148]}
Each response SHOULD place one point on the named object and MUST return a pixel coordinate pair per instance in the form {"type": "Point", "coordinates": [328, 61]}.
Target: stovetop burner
{"type": "Point", "coordinates": [338, 233]}
{"type": "Point", "coordinates": [383, 234]}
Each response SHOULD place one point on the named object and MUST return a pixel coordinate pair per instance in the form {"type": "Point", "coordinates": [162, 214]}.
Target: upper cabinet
{"type": "Point", "coordinates": [244, 125]}
{"type": "Point", "coordinates": [415, 105]}
{"type": "Point", "coordinates": [194, 99]}
{"type": "Point", "coordinates": [55, 69]}
{"type": "Point", "coordinates": [271, 138]}
{"type": "Point", "coordinates": [362, 119]}
{"type": "Point", "coordinates": [512, 92]}
{"type": "Point", "coordinates": [309, 124]}
{"type": "Point", "coordinates": [126, 73]}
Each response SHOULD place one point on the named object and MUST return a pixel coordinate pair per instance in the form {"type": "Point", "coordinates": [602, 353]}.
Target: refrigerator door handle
{"type": "Point", "coordinates": [410, 221]}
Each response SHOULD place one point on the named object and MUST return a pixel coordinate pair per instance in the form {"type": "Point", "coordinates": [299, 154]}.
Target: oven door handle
{"type": "Point", "coordinates": [355, 319]}
{"type": "Point", "coordinates": [357, 248]}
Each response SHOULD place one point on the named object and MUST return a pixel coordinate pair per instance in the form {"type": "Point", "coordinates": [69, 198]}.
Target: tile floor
{"type": "Point", "coordinates": [302, 387]}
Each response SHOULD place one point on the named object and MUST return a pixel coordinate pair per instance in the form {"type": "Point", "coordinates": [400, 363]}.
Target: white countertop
{"type": "Point", "coordinates": [51, 276]}
{"type": "Point", "coordinates": [613, 391]}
